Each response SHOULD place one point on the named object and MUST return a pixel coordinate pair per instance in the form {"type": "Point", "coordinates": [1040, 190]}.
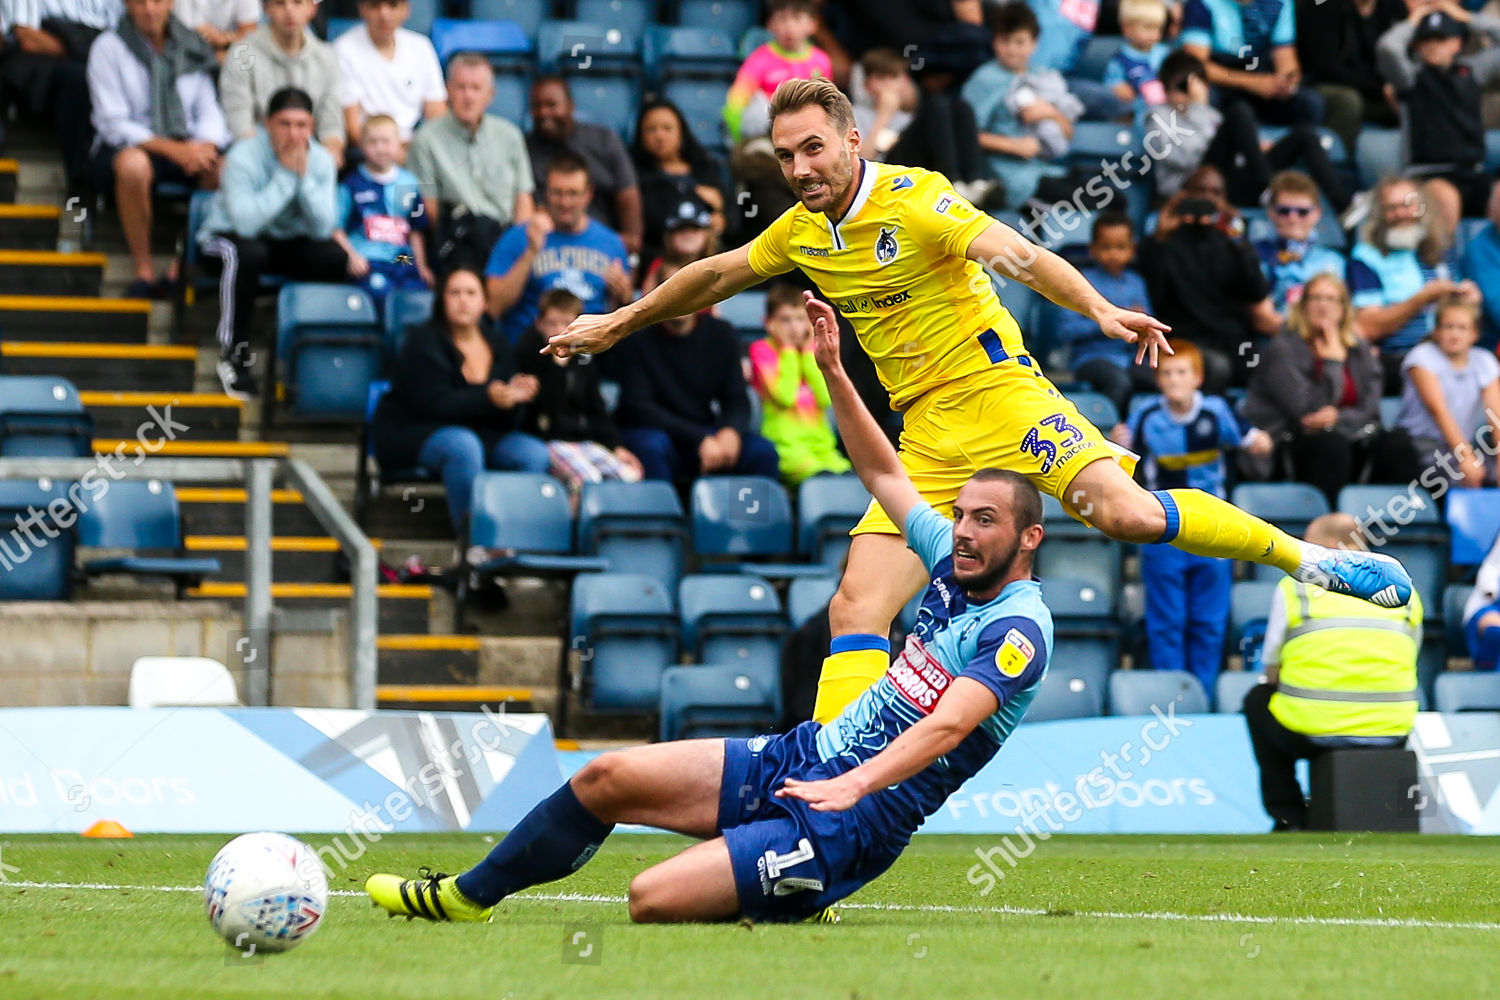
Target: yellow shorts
{"type": "Point", "coordinates": [1009, 416]}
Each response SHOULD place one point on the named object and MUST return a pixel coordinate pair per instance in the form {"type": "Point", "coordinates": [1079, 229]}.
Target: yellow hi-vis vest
{"type": "Point", "coordinates": [1348, 667]}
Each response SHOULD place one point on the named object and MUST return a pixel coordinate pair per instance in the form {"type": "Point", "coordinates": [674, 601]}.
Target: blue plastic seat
{"type": "Point", "coordinates": [701, 102]}
{"type": "Point", "coordinates": [1390, 410]}
{"type": "Point", "coordinates": [809, 596]}
{"type": "Point", "coordinates": [638, 527]}
{"type": "Point", "coordinates": [702, 53]}
{"type": "Point", "coordinates": [42, 416]}
{"type": "Point", "coordinates": [748, 517]}
{"type": "Point", "coordinates": [338, 25]}
{"type": "Point", "coordinates": [746, 312]}
{"type": "Point", "coordinates": [1081, 553]}
{"type": "Point", "coordinates": [1096, 408]}
{"type": "Point", "coordinates": [525, 515]}
{"type": "Point", "coordinates": [733, 620]}
{"type": "Point", "coordinates": [1404, 523]}
{"type": "Point", "coordinates": [141, 515]}
{"type": "Point", "coordinates": [733, 17]}
{"type": "Point", "coordinates": [423, 13]}
{"type": "Point", "coordinates": [370, 480]}
{"type": "Point", "coordinates": [1289, 506]}
{"type": "Point", "coordinates": [1249, 605]}
{"type": "Point", "coordinates": [827, 507]}
{"type": "Point", "coordinates": [630, 16]}
{"type": "Point", "coordinates": [1146, 692]}
{"type": "Point", "coordinates": [1462, 691]}
{"type": "Point", "coordinates": [529, 14]}
{"type": "Point", "coordinates": [1378, 154]}
{"type": "Point", "coordinates": [1230, 689]}
{"type": "Point", "coordinates": [1095, 57]}
{"type": "Point", "coordinates": [30, 572]}
{"type": "Point", "coordinates": [502, 41]}
{"type": "Point", "coordinates": [1455, 596]}
{"type": "Point", "coordinates": [1095, 141]}
{"type": "Point", "coordinates": [331, 345]}
{"type": "Point", "coordinates": [404, 309]}
{"type": "Point", "coordinates": [1066, 693]}
{"type": "Point", "coordinates": [626, 630]}
{"type": "Point", "coordinates": [1473, 521]}
{"type": "Point", "coordinates": [1086, 633]}
{"type": "Point", "coordinates": [715, 702]}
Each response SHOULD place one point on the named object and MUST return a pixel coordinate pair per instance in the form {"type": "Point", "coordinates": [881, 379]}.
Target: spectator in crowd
{"type": "Point", "coordinates": [672, 166]}
{"type": "Point", "coordinates": [1133, 74]}
{"type": "Point", "coordinates": [903, 123]}
{"type": "Point", "coordinates": [473, 167]}
{"type": "Point", "coordinates": [789, 55]}
{"type": "Point", "coordinates": [1440, 93]}
{"type": "Point", "coordinates": [1293, 255]}
{"type": "Point", "coordinates": [285, 53]}
{"type": "Point", "coordinates": [456, 398]}
{"type": "Point", "coordinates": [1107, 365]}
{"type": "Point", "coordinates": [44, 50]}
{"type": "Point", "coordinates": [220, 23]}
{"type": "Point", "coordinates": [1183, 438]}
{"type": "Point", "coordinates": [1229, 139]}
{"type": "Point", "coordinates": [945, 37]}
{"type": "Point", "coordinates": [388, 70]}
{"type": "Point", "coordinates": [1336, 48]}
{"type": "Point", "coordinates": [1481, 616]}
{"type": "Point", "coordinates": [569, 411]}
{"type": "Point", "coordinates": [1482, 264]}
{"type": "Point", "coordinates": [381, 221]}
{"type": "Point", "coordinates": [688, 235]}
{"type": "Point", "coordinates": [793, 396]}
{"type": "Point", "coordinates": [1208, 287]}
{"type": "Point", "coordinates": [1065, 32]}
{"type": "Point", "coordinates": [1249, 48]}
{"type": "Point", "coordinates": [1012, 117]}
{"type": "Point", "coordinates": [1337, 669]}
{"type": "Point", "coordinates": [1400, 268]}
{"type": "Point", "coordinates": [561, 247]}
{"type": "Point", "coordinates": [1316, 391]}
{"type": "Point", "coordinates": [684, 407]}
{"type": "Point", "coordinates": [1452, 392]}
{"type": "Point", "coordinates": [274, 214]}
{"type": "Point", "coordinates": [554, 132]}
{"type": "Point", "coordinates": [158, 120]}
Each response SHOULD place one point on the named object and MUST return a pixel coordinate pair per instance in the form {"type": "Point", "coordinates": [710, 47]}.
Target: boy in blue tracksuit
{"type": "Point", "coordinates": [382, 224]}
{"type": "Point", "coordinates": [1182, 437]}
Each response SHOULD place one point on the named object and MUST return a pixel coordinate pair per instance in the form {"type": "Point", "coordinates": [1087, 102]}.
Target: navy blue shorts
{"type": "Point", "coordinates": [790, 861]}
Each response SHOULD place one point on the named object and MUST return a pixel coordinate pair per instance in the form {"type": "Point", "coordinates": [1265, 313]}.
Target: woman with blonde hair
{"type": "Point", "coordinates": [1316, 390]}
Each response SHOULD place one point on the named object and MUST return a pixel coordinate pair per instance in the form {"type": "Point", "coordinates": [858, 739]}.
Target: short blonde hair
{"type": "Point", "coordinates": [794, 95]}
{"type": "Point", "coordinates": [1152, 12]}
{"type": "Point", "coordinates": [375, 121]}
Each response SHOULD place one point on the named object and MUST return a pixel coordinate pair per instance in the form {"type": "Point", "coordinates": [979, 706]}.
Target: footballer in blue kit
{"type": "Point", "coordinates": [793, 823]}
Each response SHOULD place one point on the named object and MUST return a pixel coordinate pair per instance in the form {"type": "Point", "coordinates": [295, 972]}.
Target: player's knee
{"type": "Point", "coordinates": [598, 783]}
{"type": "Point", "coordinates": [1139, 518]}
{"type": "Point", "coordinates": [853, 613]}
{"type": "Point", "coordinates": [647, 902]}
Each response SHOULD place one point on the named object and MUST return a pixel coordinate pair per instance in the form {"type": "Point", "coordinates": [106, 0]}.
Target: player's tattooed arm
{"type": "Point", "coordinates": [959, 711]}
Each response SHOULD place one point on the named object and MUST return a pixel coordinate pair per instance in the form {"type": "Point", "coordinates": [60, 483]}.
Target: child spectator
{"type": "Point", "coordinates": [1108, 365]}
{"type": "Point", "coordinates": [569, 412]}
{"type": "Point", "coordinates": [1132, 73]}
{"type": "Point", "coordinates": [382, 224]}
{"type": "Point", "coordinates": [1067, 26]}
{"type": "Point", "coordinates": [1451, 391]}
{"type": "Point", "coordinates": [1183, 437]}
{"type": "Point", "coordinates": [687, 235]}
{"type": "Point", "coordinates": [389, 70]}
{"type": "Point", "coordinates": [1250, 50]}
{"type": "Point", "coordinates": [1440, 92]}
{"type": "Point", "coordinates": [789, 55]}
{"type": "Point", "coordinates": [793, 395]}
{"type": "Point", "coordinates": [1293, 255]}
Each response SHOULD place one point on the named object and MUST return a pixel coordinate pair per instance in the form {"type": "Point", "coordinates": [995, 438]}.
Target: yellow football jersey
{"type": "Point", "coordinates": [895, 267]}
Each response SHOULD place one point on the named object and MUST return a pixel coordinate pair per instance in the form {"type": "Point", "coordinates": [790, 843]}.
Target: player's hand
{"type": "Point", "coordinates": [825, 333]}
{"type": "Point", "coordinates": [829, 795]}
{"type": "Point", "coordinates": [592, 333]}
{"type": "Point", "coordinates": [1148, 333]}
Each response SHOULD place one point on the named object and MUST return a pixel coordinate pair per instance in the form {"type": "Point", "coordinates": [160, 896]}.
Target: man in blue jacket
{"type": "Point", "coordinates": [274, 213]}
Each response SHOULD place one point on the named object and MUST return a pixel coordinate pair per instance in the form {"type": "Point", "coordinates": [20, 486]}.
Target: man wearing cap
{"type": "Point", "coordinates": [1440, 91]}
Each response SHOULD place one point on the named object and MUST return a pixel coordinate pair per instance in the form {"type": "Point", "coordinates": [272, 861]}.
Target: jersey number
{"type": "Point", "coordinates": [777, 863]}
{"type": "Point", "coordinates": [1047, 450]}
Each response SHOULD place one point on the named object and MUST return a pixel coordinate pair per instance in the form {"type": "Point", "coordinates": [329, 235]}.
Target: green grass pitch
{"type": "Point", "coordinates": [1312, 915]}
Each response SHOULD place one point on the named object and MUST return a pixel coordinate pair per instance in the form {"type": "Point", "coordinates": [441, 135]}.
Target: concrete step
{"type": "Point", "coordinates": [294, 559]}
{"type": "Point", "coordinates": [221, 511]}
{"type": "Point", "coordinates": [454, 698]}
{"type": "Point", "coordinates": [104, 367]}
{"type": "Point", "coordinates": [46, 272]}
{"type": "Point", "coordinates": [29, 227]}
{"type": "Point", "coordinates": [191, 449]}
{"type": "Point", "coordinates": [10, 173]}
{"type": "Point", "coordinates": [403, 607]}
{"type": "Point", "coordinates": [208, 418]}
{"type": "Point", "coordinates": [429, 659]}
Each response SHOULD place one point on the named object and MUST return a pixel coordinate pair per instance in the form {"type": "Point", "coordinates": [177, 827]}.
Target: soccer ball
{"type": "Point", "coordinates": [265, 892]}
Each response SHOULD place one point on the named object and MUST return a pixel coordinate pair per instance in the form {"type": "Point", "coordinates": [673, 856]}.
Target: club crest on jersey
{"type": "Point", "coordinates": [901, 182]}
{"type": "Point", "coordinates": [1015, 654]}
{"type": "Point", "coordinates": [886, 247]}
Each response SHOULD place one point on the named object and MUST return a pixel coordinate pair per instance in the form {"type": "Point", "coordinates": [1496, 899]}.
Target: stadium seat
{"type": "Point", "coordinates": [696, 53]}
{"type": "Point", "coordinates": [626, 631]}
{"type": "Point", "coordinates": [701, 102]}
{"type": "Point", "coordinates": [1249, 604]}
{"type": "Point", "coordinates": [748, 516]}
{"type": "Point", "coordinates": [638, 527]}
{"type": "Point", "coordinates": [827, 507]}
{"type": "Point", "coordinates": [746, 312]}
{"type": "Point", "coordinates": [338, 25]}
{"type": "Point", "coordinates": [1465, 691]}
{"type": "Point", "coordinates": [1095, 57]}
{"type": "Point", "coordinates": [1289, 506]}
{"type": "Point", "coordinates": [502, 40]}
{"type": "Point", "coordinates": [733, 17]}
{"type": "Point", "coordinates": [1075, 550]}
{"type": "Point", "coordinates": [1378, 154]}
{"type": "Point", "coordinates": [1404, 523]}
{"type": "Point", "coordinates": [1096, 141]}
{"type": "Point", "coordinates": [423, 13]}
{"type": "Point", "coordinates": [1230, 689]}
{"type": "Point", "coordinates": [1491, 150]}
{"type": "Point", "coordinates": [809, 596]}
{"type": "Point", "coordinates": [157, 681]}
{"type": "Point", "coordinates": [714, 702]}
{"type": "Point", "coordinates": [1327, 138]}
{"type": "Point", "coordinates": [331, 345]}
{"type": "Point", "coordinates": [630, 16]}
{"type": "Point", "coordinates": [1146, 692]}
{"type": "Point", "coordinates": [603, 66]}
{"type": "Point", "coordinates": [529, 14]}
{"type": "Point", "coordinates": [369, 479]}
{"type": "Point", "coordinates": [733, 621]}
{"type": "Point", "coordinates": [526, 516]}
{"type": "Point", "coordinates": [404, 309]}
{"type": "Point", "coordinates": [1455, 596]}
{"type": "Point", "coordinates": [42, 416]}
{"type": "Point", "coordinates": [140, 515]}
{"type": "Point", "coordinates": [1086, 634]}
{"type": "Point", "coordinates": [30, 572]}
{"type": "Point", "coordinates": [1473, 521]}
{"type": "Point", "coordinates": [1096, 408]}
{"type": "Point", "coordinates": [1390, 410]}
{"type": "Point", "coordinates": [1066, 694]}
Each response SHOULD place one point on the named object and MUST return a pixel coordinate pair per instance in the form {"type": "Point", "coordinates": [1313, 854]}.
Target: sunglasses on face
{"type": "Point", "coordinates": [1300, 211]}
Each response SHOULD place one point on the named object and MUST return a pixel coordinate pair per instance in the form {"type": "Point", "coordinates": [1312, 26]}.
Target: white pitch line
{"type": "Point", "coordinates": [1410, 923]}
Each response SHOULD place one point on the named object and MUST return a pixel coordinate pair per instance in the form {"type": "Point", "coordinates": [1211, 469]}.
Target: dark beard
{"type": "Point", "coordinates": [987, 580]}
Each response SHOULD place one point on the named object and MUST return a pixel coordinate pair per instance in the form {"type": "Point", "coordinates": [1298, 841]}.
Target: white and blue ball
{"type": "Point", "coordinates": [265, 892]}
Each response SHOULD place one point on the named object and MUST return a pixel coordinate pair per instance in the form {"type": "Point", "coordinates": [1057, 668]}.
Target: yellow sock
{"type": "Point", "coordinates": [857, 661]}
{"type": "Point", "coordinates": [1205, 525]}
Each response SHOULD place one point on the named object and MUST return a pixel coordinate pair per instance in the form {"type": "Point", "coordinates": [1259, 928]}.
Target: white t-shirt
{"type": "Point", "coordinates": [397, 87]}
{"type": "Point", "coordinates": [226, 15]}
{"type": "Point", "coordinates": [1462, 390]}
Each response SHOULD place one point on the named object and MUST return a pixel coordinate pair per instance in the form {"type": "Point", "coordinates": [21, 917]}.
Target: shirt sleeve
{"type": "Point", "coordinates": [769, 251]}
{"type": "Point", "coordinates": [1486, 366]}
{"type": "Point", "coordinates": [1197, 25]}
{"type": "Point", "coordinates": [1114, 71]}
{"type": "Point", "coordinates": [940, 217]}
{"type": "Point", "coordinates": [1365, 289]}
{"type": "Point", "coordinates": [507, 251]}
{"type": "Point", "coordinates": [928, 534]}
{"type": "Point", "coordinates": [111, 114]}
{"type": "Point", "coordinates": [1285, 30]}
{"type": "Point", "coordinates": [1011, 657]}
{"type": "Point", "coordinates": [1229, 424]}
{"type": "Point", "coordinates": [1270, 649]}
{"type": "Point", "coordinates": [246, 12]}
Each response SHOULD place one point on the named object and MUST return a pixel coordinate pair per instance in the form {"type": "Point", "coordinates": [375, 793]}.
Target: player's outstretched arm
{"type": "Point", "coordinates": [697, 286]}
{"type": "Point", "coordinates": [1015, 258]}
{"type": "Point", "coordinates": [962, 707]}
{"type": "Point", "coordinates": [874, 459]}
